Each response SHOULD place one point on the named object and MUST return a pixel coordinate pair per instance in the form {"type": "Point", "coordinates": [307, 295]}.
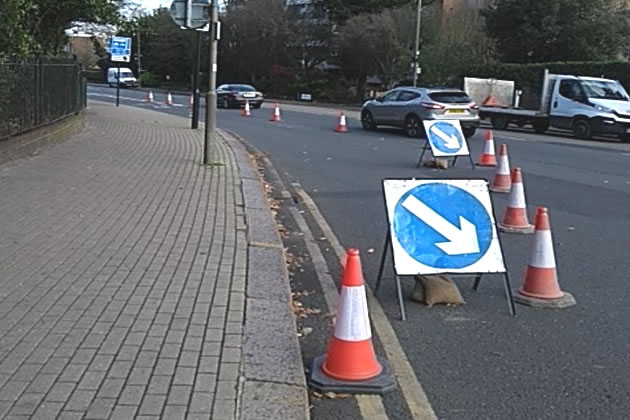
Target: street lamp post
{"type": "Point", "coordinates": [416, 47]}
{"type": "Point", "coordinates": [211, 96]}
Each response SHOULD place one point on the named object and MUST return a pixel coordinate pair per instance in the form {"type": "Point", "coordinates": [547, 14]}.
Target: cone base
{"type": "Point", "coordinates": [341, 130]}
{"type": "Point", "coordinates": [486, 163]}
{"type": "Point", "coordinates": [516, 229]}
{"type": "Point", "coordinates": [504, 190]}
{"type": "Point", "coordinates": [566, 301]}
{"type": "Point", "coordinates": [380, 384]}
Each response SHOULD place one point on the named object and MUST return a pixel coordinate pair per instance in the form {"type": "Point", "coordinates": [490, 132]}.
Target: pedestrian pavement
{"type": "Point", "coordinates": [136, 282]}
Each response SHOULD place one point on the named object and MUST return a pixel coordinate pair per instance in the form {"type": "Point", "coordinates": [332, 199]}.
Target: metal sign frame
{"type": "Point", "coordinates": [125, 57]}
{"type": "Point", "coordinates": [388, 248]}
{"type": "Point", "coordinates": [429, 146]}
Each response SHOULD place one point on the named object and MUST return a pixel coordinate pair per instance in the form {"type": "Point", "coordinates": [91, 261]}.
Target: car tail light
{"type": "Point", "coordinates": [430, 105]}
{"type": "Point", "coordinates": [473, 106]}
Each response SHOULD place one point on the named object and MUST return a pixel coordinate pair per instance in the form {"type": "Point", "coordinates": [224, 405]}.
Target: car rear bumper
{"type": "Point", "coordinates": [252, 102]}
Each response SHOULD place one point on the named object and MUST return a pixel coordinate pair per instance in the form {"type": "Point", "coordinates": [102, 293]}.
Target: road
{"type": "Point", "coordinates": [475, 361]}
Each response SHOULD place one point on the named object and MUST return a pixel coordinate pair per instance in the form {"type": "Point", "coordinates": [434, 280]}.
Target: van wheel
{"type": "Point", "coordinates": [582, 129]}
{"type": "Point", "coordinates": [499, 122]}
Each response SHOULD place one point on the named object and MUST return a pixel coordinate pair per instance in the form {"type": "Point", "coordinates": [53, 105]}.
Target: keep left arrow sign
{"type": "Point", "coordinates": [461, 240]}
{"type": "Point", "coordinates": [450, 141]}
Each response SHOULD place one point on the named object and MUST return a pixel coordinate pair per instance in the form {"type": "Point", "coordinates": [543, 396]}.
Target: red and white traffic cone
{"type": "Point", "coordinates": [350, 363]}
{"type": "Point", "coordinates": [149, 97]}
{"type": "Point", "coordinates": [487, 157]}
{"type": "Point", "coordinates": [169, 99]}
{"type": "Point", "coordinates": [502, 182]}
{"type": "Point", "coordinates": [342, 126]}
{"type": "Point", "coordinates": [515, 219]}
{"type": "Point", "coordinates": [275, 116]}
{"type": "Point", "coordinates": [540, 286]}
{"type": "Point", "coordinates": [191, 101]}
{"type": "Point", "coordinates": [245, 112]}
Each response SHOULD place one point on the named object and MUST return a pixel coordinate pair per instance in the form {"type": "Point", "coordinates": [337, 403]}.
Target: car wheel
{"type": "Point", "coordinates": [499, 122]}
{"type": "Point", "coordinates": [582, 129]}
{"type": "Point", "coordinates": [469, 131]}
{"type": "Point", "coordinates": [413, 126]}
{"type": "Point", "coordinates": [225, 104]}
{"type": "Point", "coordinates": [367, 120]}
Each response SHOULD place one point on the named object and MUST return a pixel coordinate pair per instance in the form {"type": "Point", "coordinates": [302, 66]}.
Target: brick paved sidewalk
{"type": "Point", "coordinates": [125, 278]}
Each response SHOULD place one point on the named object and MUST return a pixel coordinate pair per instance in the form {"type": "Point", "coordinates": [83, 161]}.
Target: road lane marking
{"type": "Point", "coordinates": [413, 393]}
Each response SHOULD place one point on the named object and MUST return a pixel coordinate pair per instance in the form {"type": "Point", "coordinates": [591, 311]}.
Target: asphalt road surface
{"type": "Point", "coordinates": [475, 361]}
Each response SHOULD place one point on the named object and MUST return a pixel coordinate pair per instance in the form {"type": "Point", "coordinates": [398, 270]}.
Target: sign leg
{"type": "Point", "coordinates": [508, 294]}
{"type": "Point", "coordinates": [383, 261]}
{"type": "Point", "coordinates": [455, 160]}
{"type": "Point", "coordinates": [472, 163]}
{"type": "Point", "coordinates": [424, 149]}
{"type": "Point", "coordinates": [118, 86]}
{"type": "Point", "coordinates": [476, 283]}
{"type": "Point", "coordinates": [401, 302]}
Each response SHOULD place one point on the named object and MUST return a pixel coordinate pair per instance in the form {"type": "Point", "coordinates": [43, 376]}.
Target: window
{"type": "Point", "coordinates": [604, 89]}
{"type": "Point", "coordinates": [450, 97]}
{"type": "Point", "coordinates": [390, 96]}
{"type": "Point", "coordinates": [406, 96]}
{"type": "Point", "coordinates": [569, 89]}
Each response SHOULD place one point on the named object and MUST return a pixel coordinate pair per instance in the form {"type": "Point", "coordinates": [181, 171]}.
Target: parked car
{"type": "Point", "coordinates": [229, 96]}
{"type": "Point", "coordinates": [407, 107]}
{"type": "Point", "coordinates": [127, 79]}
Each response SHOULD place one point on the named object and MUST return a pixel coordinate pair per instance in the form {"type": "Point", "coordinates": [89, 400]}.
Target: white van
{"type": "Point", "coordinates": [127, 79]}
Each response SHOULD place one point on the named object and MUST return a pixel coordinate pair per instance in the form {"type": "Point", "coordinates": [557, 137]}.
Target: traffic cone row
{"type": "Point", "coordinates": [540, 287]}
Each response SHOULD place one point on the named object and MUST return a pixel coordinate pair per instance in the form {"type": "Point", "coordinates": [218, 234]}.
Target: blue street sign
{"type": "Point", "coordinates": [442, 226]}
{"type": "Point", "coordinates": [120, 48]}
{"type": "Point", "coordinates": [445, 136]}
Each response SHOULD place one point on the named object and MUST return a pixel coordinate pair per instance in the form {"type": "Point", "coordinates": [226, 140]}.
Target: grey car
{"type": "Point", "coordinates": [407, 107]}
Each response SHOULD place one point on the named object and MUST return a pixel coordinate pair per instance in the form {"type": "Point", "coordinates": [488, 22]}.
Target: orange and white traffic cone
{"type": "Point", "coordinates": [342, 126]}
{"type": "Point", "coordinates": [350, 364]}
{"type": "Point", "coordinates": [487, 157]}
{"type": "Point", "coordinates": [502, 182]}
{"type": "Point", "coordinates": [245, 112]}
{"type": "Point", "coordinates": [540, 286]}
{"type": "Point", "coordinates": [515, 219]}
{"type": "Point", "coordinates": [149, 97]}
{"type": "Point", "coordinates": [169, 99]}
{"type": "Point", "coordinates": [275, 116]}
{"type": "Point", "coordinates": [191, 101]}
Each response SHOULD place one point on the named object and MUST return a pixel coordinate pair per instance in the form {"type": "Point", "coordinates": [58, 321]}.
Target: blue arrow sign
{"type": "Point", "coordinates": [442, 226]}
{"type": "Point", "coordinates": [445, 137]}
{"type": "Point", "coordinates": [120, 46]}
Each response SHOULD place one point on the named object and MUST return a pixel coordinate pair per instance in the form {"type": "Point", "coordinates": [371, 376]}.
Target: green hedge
{"type": "Point", "coordinates": [95, 75]}
{"type": "Point", "coordinates": [529, 75]}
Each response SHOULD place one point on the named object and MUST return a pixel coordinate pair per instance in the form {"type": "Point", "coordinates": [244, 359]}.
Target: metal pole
{"type": "Point", "coordinates": [416, 47]}
{"type": "Point", "coordinates": [139, 58]}
{"type": "Point", "coordinates": [211, 96]}
{"type": "Point", "coordinates": [196, 96]}
{"type": "Point", "coordinates": [118, 86]}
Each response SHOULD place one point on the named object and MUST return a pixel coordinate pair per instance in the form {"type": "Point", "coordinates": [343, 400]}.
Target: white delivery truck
{"type": "Point", "coordinates": [127, 79]}
{"type": "Point", "coordinates": [585, 105]}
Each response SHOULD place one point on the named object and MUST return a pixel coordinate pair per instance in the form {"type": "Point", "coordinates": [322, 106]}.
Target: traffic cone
{"type": "Point", "coordinates": [515, 219]}
{"type": "Point", "coordinates": [540, 286]}
{"type": "Point", "coordinates": [149, 97]}
{"type": "Point", "coordinates": [169, 99]}
{"type": "Point", "coordinates": [350, 364]}
{"type": "Point", "coordinates": [245, 112]}
{"type": "Point", "coordinates": [276, 114]}
{"type": "Point", "coordinates": [502, 182]}
{"type": "Point", "coordinates": [490, 101]}
{"type": "Point", "coordinates": [191, 101]}
{"type": "Point", "coordinates": [341, 127]}
{"type": "Point", "coordinates": [487, 157]}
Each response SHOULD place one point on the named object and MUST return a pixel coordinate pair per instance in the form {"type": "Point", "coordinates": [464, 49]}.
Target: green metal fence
{"type": "Point", "coordinates": [37, 91]}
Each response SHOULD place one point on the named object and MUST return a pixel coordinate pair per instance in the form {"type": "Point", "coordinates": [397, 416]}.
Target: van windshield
{"type": "Point", "coordinates": [603, 89]}
{"type": "Point", "coordinates": [126, 74]}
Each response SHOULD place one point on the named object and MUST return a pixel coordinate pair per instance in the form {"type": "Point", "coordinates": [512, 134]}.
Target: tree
{"type": "Point", "coordinates": [377, 44]}
{"type": "Point", "coordinates": [37, 26]}
{"type": "Point", "coordinates": [341, 10]}
{"type": "Point", "coordinates": [557, 30]}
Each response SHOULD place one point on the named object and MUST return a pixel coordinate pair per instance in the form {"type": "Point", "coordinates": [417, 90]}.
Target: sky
{"type": "Point", "coordinates": [154, 4]}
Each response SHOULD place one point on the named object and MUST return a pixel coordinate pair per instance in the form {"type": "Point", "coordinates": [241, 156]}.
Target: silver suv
{"type": "Point", "coordinates": [407, 107]}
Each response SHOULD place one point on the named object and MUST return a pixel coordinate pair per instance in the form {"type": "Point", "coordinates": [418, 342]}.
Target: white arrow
{"type": "Point", "coordinates": [450, 141]}
{"type": "Point", "coordinates": [461, 240]}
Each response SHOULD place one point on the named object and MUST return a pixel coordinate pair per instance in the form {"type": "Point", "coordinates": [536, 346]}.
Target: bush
{"type": "Point", "coordinates": [97, 76]}
{"type": "Point", "coordinates": [148, 79]}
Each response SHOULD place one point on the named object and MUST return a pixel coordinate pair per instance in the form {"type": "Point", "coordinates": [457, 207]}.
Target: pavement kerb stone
{"type": "Point", "coordinates": [273, 383]}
